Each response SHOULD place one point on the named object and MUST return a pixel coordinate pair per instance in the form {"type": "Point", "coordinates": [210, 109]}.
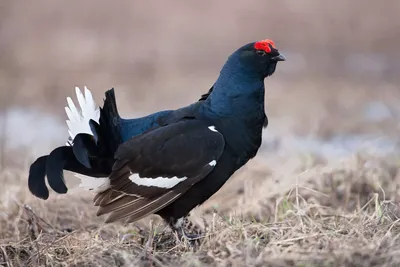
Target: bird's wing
{"type": "Point", "coordinates": [154, 169]}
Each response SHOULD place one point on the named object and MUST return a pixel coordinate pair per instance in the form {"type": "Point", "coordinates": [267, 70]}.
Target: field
{"type": "Point", "coordinates": [335, 216]}
{"type": "Point", "coordinates": [286, 207]}
{"type": "Point", "coordinates": [324, 189]}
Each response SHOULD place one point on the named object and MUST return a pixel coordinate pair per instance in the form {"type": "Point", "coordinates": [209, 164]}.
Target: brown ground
{"type": "Point", "coordinates": [330, 215]}
{"type": "Point", "coordinates": [296, 204]}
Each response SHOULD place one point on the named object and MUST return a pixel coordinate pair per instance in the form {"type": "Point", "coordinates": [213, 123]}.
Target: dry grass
{"type": "Point", "coordinates": [334, 214]}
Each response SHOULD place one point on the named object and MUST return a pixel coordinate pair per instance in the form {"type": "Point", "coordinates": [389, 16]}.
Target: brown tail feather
{"type": "Point", "coordinates": [99, 197]}
{"type": "Point", "coordinates": [142, 208]}
{"type": "Point", "coordinates": [118, 204]}
{"type": "Point", "coordinates": [107, 197]}
{"type": "Point", "coordinates": [143, 213]}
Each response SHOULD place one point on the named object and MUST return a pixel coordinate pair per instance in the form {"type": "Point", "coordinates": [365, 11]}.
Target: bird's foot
{"type": "Point", "coordinates": [188, 231]}
{"type": "Point", "coordinates": [193, 239]}
{"type": "Point", "coordinates": [189, 237]}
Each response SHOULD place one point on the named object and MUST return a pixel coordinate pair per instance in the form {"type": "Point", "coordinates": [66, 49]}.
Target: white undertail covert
{"type": "Point", "coordinates": [78, 119]}
{"type": "Point", "coordinates": [78, 122]}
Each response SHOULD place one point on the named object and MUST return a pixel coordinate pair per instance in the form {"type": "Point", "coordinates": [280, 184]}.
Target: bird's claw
{"type": "Point", "coordinates": [192, 239]}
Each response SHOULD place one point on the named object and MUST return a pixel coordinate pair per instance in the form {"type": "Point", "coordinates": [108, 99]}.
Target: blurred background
{"type": "Point", "coordinates": [337, 93]}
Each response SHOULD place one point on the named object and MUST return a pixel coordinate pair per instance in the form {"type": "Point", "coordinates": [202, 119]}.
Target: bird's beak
{"type": "Point", "coordinates": [279, 57]}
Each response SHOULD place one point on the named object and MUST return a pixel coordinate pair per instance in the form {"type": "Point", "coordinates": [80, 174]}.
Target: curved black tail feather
{"type": "Point", "coordinates": [36, 179]}
{"type": "Point", "coordinates": [53, 165]}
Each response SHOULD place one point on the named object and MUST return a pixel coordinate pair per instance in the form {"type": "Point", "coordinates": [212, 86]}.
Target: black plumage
{"type": "Point", "coordinates": [185, 152]}
{"type": "Point", "coordinates": [169, 162]}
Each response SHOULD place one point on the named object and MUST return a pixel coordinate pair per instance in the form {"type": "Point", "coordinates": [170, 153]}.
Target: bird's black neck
{"type": "Point", "coordinates": [236, 106]}
{"type": "Point", "coordinates": [237, 93]}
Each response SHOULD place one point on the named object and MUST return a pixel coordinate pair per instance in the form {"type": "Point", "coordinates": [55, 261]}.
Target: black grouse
{"type": "Point", "coordinates": [171, 161]}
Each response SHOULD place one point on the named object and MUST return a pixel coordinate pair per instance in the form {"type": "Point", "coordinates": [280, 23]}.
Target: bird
{"type": "Point", "coordinates": [64, 157]}
{"type": "Point", "coordinates": [171, 161]}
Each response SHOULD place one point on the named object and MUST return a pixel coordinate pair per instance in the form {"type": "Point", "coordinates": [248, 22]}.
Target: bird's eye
{"type": "Point", "coordinates": [261, 52]}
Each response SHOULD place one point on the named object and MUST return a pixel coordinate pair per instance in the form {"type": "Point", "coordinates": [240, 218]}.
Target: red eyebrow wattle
{"type": "Point", "coordinates": [264, 45]}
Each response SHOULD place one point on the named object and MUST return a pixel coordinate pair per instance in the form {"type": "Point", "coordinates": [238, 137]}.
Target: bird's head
{"type": "Point", "coordinates": [240, 87]}
{"type": "Point", "coordinates": [259, 57]}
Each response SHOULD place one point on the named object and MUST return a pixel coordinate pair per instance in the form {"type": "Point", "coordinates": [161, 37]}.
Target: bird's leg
{"type": "Point", "coordinates": [181, 225]}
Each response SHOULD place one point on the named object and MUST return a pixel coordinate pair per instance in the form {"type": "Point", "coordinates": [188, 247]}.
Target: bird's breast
{"type": "Point", "coordinates": [243, 138]}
